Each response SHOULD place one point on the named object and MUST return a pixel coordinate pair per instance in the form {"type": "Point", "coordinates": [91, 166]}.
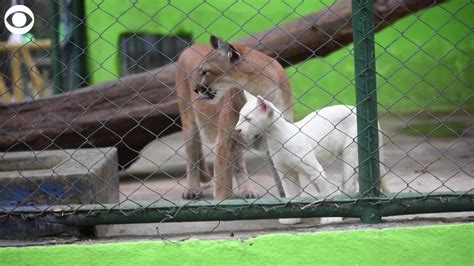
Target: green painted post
{"type": "Point", "coordinates": [366, 98]}
{"type": "Point", "coordinates": [55, 50]}
{"type": "Point", "coordinates": [78, 75]}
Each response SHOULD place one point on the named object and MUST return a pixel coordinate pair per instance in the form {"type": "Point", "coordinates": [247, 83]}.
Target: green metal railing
{"type": "Point", "coordinates": [236, 209]}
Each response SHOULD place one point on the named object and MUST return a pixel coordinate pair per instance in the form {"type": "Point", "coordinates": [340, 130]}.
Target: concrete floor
{"type": "Point", "coordinates": [415, 164]}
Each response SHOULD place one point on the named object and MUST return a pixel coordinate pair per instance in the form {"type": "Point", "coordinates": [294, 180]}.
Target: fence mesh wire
{"type": "Point", "coordinates": [90, 109]}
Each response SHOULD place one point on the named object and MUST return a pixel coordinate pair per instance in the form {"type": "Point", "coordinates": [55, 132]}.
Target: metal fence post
{"type": "Point", "coordinates": [56, 61]}
{"type": "Point", "coordinates": [77, 73]}
{"type": "Point", "coordinates": [366, 98]}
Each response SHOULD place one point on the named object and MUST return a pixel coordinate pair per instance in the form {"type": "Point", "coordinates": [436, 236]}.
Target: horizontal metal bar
{"type": "Point", "coordinates": [185, 211]}
{"type": "Point", "coordinates": [429, 204]}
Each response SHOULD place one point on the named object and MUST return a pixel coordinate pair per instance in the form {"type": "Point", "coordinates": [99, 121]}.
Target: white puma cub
{"type": "Point", "coordinates": [298, 148]}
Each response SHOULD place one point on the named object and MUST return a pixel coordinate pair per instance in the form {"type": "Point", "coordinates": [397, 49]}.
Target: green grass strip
{"type": "Point", "coordinates": [425, 245]}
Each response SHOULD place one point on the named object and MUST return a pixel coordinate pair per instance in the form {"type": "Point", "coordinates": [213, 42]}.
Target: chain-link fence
{"type": "Point", "coordinates": [94, 94]}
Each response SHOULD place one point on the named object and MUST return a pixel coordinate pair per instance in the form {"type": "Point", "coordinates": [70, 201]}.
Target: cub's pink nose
{"type": "Point", "coordinates": [238, 130]}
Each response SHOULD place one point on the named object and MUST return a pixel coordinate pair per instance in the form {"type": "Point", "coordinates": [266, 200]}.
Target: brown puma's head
{"type": "Point", "coordinates": [218, 72]}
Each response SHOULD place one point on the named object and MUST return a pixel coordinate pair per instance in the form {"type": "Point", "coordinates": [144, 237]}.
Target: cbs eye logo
{"type": "Point", "coordinates": [19, 19]}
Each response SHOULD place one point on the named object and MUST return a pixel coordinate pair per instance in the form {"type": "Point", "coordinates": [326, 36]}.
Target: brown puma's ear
{"type": "Point", "coordinates": [214, 42]}
{"type": "Point", "coordinates": [232, 53]}
{"type": "Point", "coordinates": [225, 48]}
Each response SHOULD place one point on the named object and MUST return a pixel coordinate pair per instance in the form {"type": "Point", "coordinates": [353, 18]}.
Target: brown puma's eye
{"type": "Point", "coordinates": [204, 72]}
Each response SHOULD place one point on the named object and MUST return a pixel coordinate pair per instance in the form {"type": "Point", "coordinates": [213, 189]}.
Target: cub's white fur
{"type": "Point", "coordinates": [298, 148]}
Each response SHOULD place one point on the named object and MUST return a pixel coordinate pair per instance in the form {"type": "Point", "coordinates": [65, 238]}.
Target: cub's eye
{"type": "Point", "coordinates": [248, 119]}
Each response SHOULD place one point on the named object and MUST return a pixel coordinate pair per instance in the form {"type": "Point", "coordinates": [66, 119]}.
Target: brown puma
{"type": "Point", "coordinates": [209, 84]}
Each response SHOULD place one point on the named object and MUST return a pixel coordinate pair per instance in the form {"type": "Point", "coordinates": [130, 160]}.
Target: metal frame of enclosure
{"type": "Point", "coordinates": [370, 205]}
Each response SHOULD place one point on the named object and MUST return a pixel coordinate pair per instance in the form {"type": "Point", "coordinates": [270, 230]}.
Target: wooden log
{"type": "Point", "coordinates": [126, 113]}
{"type": "Point", "coordinates": [131, 112]}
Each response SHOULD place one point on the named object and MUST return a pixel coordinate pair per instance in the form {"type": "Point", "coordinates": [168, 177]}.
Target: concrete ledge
{"type": "Point", "coordinates": [56, 177]}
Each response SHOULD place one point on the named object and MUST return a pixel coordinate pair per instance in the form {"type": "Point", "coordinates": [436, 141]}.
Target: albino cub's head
{"type": "Point", "coordinates": [219, 71]}
{"type": "Point", "coordinates": [255, 117]}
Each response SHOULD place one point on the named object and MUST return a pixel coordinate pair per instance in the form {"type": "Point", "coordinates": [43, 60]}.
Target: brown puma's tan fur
{"type": "Point", "coordinates": [219, 73]}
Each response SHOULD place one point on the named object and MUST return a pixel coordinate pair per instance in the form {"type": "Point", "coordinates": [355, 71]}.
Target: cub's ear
{"type": "Point", "coordinates": [264, 106]}
{"type": "Point", "coordinates": [248, 96]}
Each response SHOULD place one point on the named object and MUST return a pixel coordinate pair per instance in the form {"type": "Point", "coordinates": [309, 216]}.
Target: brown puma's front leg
{"type": "Point", "coordinates": [223, 165]}
{"type": "Point", "coordinates": [197, 170]}
{"type": "Point", "coordinates": [243, 180]}
{"type": "Point", "coordinates": [193, 155]}
{"type": "Point", "coordinates": [229, 154]}
{"type": "Point", "coordinates": [196, 167]}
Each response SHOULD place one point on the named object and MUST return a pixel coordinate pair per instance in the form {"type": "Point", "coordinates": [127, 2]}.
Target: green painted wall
{"type": "Point", "coordinates": [424, 60]}
{"type": "Point", "coordinates": [429, 245]}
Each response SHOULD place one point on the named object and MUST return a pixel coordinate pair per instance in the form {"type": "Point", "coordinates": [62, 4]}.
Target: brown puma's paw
{"type": "Point", "coordinates": [248, 194]}
{"type": "Point", "coordinates": [192, 194]}
{"type": "Point", "coordinates": [205, 178]}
